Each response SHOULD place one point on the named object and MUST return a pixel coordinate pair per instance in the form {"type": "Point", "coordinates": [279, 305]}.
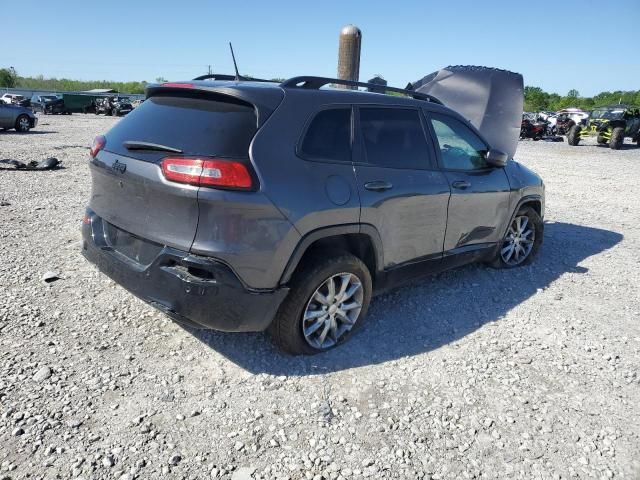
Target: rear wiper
{"type": "Point", "coordinates": [135, 145]}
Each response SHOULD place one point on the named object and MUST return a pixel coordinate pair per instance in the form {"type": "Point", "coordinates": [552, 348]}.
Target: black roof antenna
{"type": "Point", "coordinates": [235, 65]}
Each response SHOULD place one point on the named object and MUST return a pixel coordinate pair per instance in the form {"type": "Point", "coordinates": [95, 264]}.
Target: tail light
{"type": "Point", "coordinates": [98, 144]}
{"type": "Point", "coordinates": [219, 173]}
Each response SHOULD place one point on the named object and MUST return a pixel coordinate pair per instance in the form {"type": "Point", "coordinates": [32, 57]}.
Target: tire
{"type": "Point", "coordinates": [108, 112]}
{"type": "Point", "coordinates": [573, 137]}
{"type": "Point", "coordinates": [535, 226]}
{"type": "Point", "coordinates": [23, 124]}
{"type": "Point", "coordinates": [617, 138]}
{"type": "Point", "coordinates": [315, 277]}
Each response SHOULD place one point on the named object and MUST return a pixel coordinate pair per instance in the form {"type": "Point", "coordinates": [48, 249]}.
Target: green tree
{"type": "Point", "coordinates": [535, 99]}
{"type": "Point", "coordinates": [573, 93]}
{"type": "Point", "coordinates": [8, 77]}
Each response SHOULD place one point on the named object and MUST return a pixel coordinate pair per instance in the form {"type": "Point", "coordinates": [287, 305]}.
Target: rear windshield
{"type": "Point", "coordinates": [217, 126]}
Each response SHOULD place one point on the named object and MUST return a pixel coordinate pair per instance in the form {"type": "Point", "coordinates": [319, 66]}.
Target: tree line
{"type": "Point", "coordinates": [10, 78]}
{"type": "Point", "coordinates": [536, 99]}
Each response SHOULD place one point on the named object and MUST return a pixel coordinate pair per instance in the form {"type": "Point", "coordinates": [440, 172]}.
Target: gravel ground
{"type": "Point", "coordinates": [475, 373]}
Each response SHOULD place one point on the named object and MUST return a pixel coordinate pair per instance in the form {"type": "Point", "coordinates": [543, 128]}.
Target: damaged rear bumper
{"type": "Point", "coordinates": [189, 288]}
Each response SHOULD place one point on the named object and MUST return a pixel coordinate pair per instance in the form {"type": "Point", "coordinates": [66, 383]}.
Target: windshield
{"type": "Point", "coordinates": [49, 97]}
{"type": "Point", "coordinates": [608, 114]}
{"type": "Point", "coordinates": [122, 99]}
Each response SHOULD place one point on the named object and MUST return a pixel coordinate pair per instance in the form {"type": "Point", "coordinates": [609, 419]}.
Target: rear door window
{"type": "Point", "coordinates": [213, 126]}
{"type": "Point", "coordinates": [328, 136]}
{"type": "Point", "coordinates": [394, 137]}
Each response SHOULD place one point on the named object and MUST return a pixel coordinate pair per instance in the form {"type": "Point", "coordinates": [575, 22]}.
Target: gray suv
{"type": "Point", "coordinates": [245, 206]}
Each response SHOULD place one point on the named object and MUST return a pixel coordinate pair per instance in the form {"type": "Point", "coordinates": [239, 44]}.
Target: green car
{"type": "Point", "coordinates": [611, 125]}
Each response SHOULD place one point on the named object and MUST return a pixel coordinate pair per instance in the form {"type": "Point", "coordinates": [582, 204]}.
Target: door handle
{"type": "Point", "coordinates": [378, 186]}
{"type": "Point", "coordinates": [461, 184]}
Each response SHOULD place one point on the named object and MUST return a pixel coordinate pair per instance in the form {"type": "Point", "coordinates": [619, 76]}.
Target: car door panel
{"type": "Point", "coordinates": [480, 194]}
{"type": "Point", "coordinates": [5, 113]}
{"type": "Point", "coordinates": [476, 213]}
{"type": "Point", "coordinates": [408, 206]}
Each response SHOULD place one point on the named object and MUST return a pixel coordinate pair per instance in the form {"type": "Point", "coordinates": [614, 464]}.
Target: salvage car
{"type": "Point", "coordinates": [115, 106]}
{"type": "Point", "coordinates": [191, 212]}
{"type": "Point", "coordinates": [11, 98]}
{"type": "Point", "coordinates": [611, 124]}
{"type": "Point", "coordinates": [48, 104]}
{"type": "Point", "coordinates": [21, 119]}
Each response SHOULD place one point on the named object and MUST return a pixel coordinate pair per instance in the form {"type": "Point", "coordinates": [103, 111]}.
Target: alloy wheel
{"type": "Point", "coordinates": [519, 241]}
{"type": "Point", "coordinates": [332, 310]}
{"type": "Point", "coordinates": [24, 124]}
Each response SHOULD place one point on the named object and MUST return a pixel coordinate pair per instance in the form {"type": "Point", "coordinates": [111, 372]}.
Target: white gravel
{"type": "Point", "coordinates": [475, 373]}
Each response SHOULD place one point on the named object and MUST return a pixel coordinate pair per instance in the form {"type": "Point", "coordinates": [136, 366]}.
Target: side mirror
{"type": "Point", "coordinates": [496, 158]}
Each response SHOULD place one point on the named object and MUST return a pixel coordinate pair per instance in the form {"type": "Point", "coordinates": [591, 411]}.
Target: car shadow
{"type": "Point", "coordinates": [427, 314]}
{"type": "Point", "coordinates": [30, 132]}
{"type": "Point", "coordinates": [624, 146]}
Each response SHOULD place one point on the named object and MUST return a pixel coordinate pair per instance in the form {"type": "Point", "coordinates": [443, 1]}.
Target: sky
{"type": "Point", "coordinates": [586, 45]}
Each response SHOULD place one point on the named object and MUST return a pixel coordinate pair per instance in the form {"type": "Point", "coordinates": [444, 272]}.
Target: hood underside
{"type": "Point", "coordinates": [490, 98]}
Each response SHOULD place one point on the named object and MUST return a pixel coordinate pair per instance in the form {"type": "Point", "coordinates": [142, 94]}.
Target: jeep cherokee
{"type": "Point", "coordinates": [244, 205]}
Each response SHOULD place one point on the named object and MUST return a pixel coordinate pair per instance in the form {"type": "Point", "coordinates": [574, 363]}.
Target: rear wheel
{"type": "Point", "coordinates": [617, 138]}
{"type": "Point", "coordinates": [522, 241]}
{"type": "Point", "coordinates": [327, 303]}
{"type": "Point", "coordinates": [23, 124]}
{"type": "Point", "coordinates": [573, 137]}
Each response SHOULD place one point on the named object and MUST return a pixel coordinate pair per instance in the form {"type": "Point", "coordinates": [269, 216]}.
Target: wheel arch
{"type": "Point", "coordinates": [361, 240]}
{"type": "Point", "coordinates": [533, 201]}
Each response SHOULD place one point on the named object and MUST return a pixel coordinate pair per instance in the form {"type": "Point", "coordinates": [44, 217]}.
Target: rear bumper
{"type": "Point", "coordinates": [188, 288]}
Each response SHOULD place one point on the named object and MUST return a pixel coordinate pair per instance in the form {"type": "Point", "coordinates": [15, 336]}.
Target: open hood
{"type": "Point", "coordinates": [490, 98]}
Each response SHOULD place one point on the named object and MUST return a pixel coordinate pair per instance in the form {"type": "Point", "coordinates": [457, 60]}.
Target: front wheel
{"type": "Point", "coordinates": [328, 301]}
{"type": "Point", "coordinates": [23, 124]}
{"type": "Point", "coordinates": [617, 138]}
{"type": "Point", "coordinates": [573, 137]}
{"type": "Point", "coordinates": [522, 240]}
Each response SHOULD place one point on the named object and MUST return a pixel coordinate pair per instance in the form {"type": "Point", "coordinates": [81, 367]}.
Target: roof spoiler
{"type": "Point", "coordinates": [224, 76]}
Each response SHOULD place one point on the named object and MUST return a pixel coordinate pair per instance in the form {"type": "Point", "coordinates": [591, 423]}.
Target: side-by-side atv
{"type": "Point", "coordinates": [611, 125]}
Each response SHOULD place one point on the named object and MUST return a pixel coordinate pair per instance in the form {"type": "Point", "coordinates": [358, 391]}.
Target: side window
{"type": "Point", "coordinates": [460, 147]}
{"type": "Point", "coordinates": [329, 136]}
{"type": "Point", "coordinates": [394, 137]}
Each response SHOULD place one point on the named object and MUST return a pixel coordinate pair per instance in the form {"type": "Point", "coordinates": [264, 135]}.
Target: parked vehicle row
{"type": "Point", "coordinates": [610, 124]}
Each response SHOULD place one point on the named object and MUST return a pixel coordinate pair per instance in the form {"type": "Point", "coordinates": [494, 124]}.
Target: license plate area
{"type": "Point", "coordinates": [130, 246]}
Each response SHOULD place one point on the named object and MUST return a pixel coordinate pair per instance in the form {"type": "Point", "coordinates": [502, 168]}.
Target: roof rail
{"type": "Point", "coordinates": [317, 82]}
{"type": "Point", "coordinates": [222, 76]}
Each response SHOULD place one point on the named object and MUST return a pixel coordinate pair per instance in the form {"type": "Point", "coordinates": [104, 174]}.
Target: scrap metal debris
{"type": "Point", "coordinates": [50, 163]}
{"type": "Point", "coordinates": [50, 277]}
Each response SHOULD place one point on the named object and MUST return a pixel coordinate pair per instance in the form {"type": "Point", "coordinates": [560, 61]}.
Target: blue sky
{"type": "Point", "coordinates": [559, 46]}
